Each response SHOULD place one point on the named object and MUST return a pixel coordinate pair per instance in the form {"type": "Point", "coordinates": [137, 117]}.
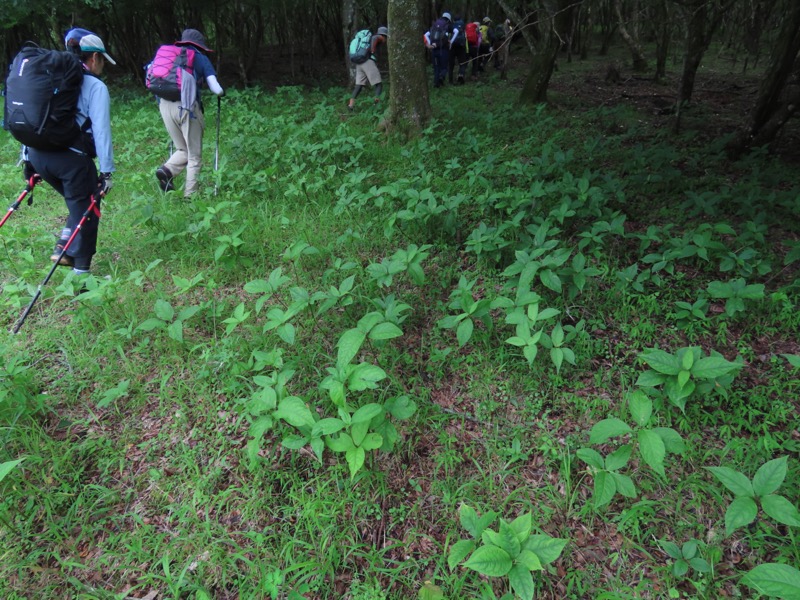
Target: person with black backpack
{"type": "Point", "coordinates": [66, 160]}
{"type": "Point", "coordinates": [438, 40]}
{"type": "Point", "coordinates": [176, 75]}
{"type": "Point", "coordinates": [367, 70]}
{"type": "Point", "coordinates": [458, 51]}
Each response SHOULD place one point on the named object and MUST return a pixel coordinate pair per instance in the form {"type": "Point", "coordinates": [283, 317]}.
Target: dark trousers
{"type": "Point", "coordinates": [440, 57]}
{"type": "Point", "coordinates": [74, 176]}
{"type": "Point", "coordinates": [458, 54]}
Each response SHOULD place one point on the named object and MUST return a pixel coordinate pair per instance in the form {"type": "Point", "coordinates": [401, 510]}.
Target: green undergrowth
{"type": "Point", "coordinates": [524, 355]}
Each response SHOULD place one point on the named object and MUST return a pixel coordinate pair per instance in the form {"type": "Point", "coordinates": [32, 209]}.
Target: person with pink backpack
{"type": "Point", "coordinates": [175, 76]}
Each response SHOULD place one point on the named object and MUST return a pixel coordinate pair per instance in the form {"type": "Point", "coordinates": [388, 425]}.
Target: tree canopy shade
{"type": "Point", "coordinates": [293, 41]}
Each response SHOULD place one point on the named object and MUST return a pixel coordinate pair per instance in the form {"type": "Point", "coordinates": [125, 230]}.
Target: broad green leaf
{"type": "Point", "coordinates": [604, 488]}
{"type": "Point", "coordinates": [366, 413]}
{"type": "Point", "coordinates": [342, 443]}
{"type": "Point", "coordinates": [780, 509]}
{"type": "Point", "coordinates": [687, 360]}
{"type": "Point", "coordinates": [641, 407]}
{"type": "Point", "coordinates": [774, 579]}
{"type": "Point", "coordinates": [671, 548]}
{"type": "Point", "coordinates": [712, 367]}
{"type": "Point", "coordinates": [349, 345]}
{"type": "Point", "coordinates": [287, 333]}
{"type": "Point", "coordinates": [770, 476]}
{"type": "Point", "coordinates": [372, 441]}
{"type": "Point", "coordinates": [550, 280]}
{"type": "Point", "coordinates": [522, 526]}
{"type": "Point", "coordinates": [794, 359]}
{"type": "Point", "coordinates": [547, 548]}
{"type": "Point", "coordinates": [355, 460]}
{"type": "Point", "coordinates": [294, 442]}
{"type": "Point", "coordinates": [673, 442]}
{"type": "Point", "coordinates": [507, 539]}
{"type": "Point", "coordinates": [650, 378]}
{"type": "Point", "coordinates": [619, 458]}
{"type": "Point", "coordinates": [175, 331]}
{"type": "Point", "coordinates": [7, 467]}
{"type": "Point", "coordinates": [458, 552]}
{"type": "Point", "coordinates": [742, 511]}
{"type": "Point", "coordinates": [689, 549]}
{"type": "Point", "coordinates": [652, 449]}
{"type": "Point", "coordinates": [385, 331]}
{"type": "Point", "coordinates": [521, 582]}
{"type": "Point", "coordinates": [591, 457]}
{"type": "Point", "coordinates": [700, 565]}
{"type": "Point", "coordinates": [358, 431]}
{"type": "Point", "coordinates": [733, 480]}
{"type": "Point", "coordinates": [150, 324]}
{"type": "Point", "coordinates": [428, 591]}
{"type": "Point", "coordinates": [680, 568]}
{"type": "Point", "coordinates": [469, 520]}
{"type": "Point", "coordinates": [365, 377]}
{"type": "Point", "coordinates": [683, 378]}
{"type": "Point", "coordinates": [490, 560]}
{"type": "Point", "coordinates": [327, 427]}
{"type": "Point", "coordinates": [464, 331]}
{"type": "Point", "coordinates": [557, 356]}
{"type": "Point", "coordinates": [164, 310]}
{"type": "Point", "coordinates": [661, 361]}
{"type": "Point", "coordinates": [295, 412]}
{"type": "Point", "coordinates": [400, 407]}
{"type": "Point", "coordinates": [624, 484]}
{"type": "Point", "coordinates": [529, 560]}
{"type": "Point", "coordinates": [606, 429]}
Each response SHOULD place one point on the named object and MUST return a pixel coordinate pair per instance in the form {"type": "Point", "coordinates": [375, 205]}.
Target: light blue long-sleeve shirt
{"type": "Point", "coordinates": [94, 103]}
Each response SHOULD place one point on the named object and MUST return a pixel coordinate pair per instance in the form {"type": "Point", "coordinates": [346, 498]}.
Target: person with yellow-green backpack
{"type": "Point", "coordinates": [487, 41]}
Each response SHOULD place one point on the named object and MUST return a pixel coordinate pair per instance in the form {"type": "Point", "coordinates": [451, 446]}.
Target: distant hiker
{"type": "Point", "coordinates": [487, 39]}
{"type": "Point", "coordinates": [473, 34]}
{"type": "Point", "coordinates": [71, 170]}
{"type": "Point", "coordinates": [176, 75]}
{"type": "Point", "coordinates": [438, 41]}
{"type": "Point", "coordinates": [458, 51]}
{"type": "Point", "coordinates": [367, 69]}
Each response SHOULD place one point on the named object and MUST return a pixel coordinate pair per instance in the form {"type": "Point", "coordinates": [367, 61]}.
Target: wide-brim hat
{"type": "Point", "coordinates": [192, 37]}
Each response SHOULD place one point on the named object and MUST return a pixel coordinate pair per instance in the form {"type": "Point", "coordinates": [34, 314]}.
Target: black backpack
{"type": "Point", "coordinates": [439, 32]}
{"type": "Point", "coordinates": [42, 92]}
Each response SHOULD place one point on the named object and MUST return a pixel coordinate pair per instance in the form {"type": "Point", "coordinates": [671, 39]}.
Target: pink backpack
{"type": "Point", "coordinates": [166, 71]}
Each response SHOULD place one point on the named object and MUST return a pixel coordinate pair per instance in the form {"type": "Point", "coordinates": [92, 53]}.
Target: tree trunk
{"type": "Point", "coordinates": [663, 35]}
{"type": "Point", "coordinates": [349, 15]}
{"type": "Point", "coordinates": [409, 105]}
{"type": "Point", "coordinates": [637, 54]}
{"type": "Point", "coordinates": [519, 23]}
{"type": "Point", "coordinates": [554, 27]}
{"type": "Point", "coordinates": [772, 110]}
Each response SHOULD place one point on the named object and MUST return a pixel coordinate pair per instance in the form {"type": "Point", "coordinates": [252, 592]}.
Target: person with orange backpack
{"type": "Point", "coordinates": [473, 34]}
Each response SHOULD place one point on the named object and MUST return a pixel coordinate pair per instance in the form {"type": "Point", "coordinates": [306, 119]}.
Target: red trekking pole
{"type": "Point", "coordinates": [94, 208]}
{"type": "Point", "coordinates": [28, 190]}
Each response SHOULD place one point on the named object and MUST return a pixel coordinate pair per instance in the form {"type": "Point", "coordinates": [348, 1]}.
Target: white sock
{"type": "Point", "coordinates": [80, 271]}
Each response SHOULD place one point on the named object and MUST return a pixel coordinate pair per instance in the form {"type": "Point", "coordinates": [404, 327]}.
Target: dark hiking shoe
{"type": "Point", "coordinates": [164, 179]}
{"type": "Point", "coordinates": [62, 261]}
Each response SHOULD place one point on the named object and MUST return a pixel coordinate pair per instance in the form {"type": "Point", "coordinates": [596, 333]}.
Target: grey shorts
{"type": "Point", "coordinates": [368, 71]}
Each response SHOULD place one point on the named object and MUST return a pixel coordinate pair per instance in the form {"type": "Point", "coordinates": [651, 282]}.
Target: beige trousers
{"type": "Point", "coordinates": [186, 132]}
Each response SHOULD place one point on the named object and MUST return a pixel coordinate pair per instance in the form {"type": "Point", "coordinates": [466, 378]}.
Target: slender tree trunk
{"type": "Point", "coordinates": [663, 34]}
{"type": "Point", "coordinates": [520, 23]}
{"type": "Point", "coordinates": [637, 54]}
{"type": "Point", "coordinates": [409, 104]}
{"type": "Point", "coordinates": [554, 27]}
{"type": "Point", "coordinates": [774, 106]}
{"type": "Point", "coordinates": [349, 15]}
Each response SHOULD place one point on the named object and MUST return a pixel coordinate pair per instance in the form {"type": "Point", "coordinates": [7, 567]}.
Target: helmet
{"type": "Point", "coordinates": [383, 31]}
{"type": "Point", "coordinates": [487, 20]}
{"type": "Point", "coordinates": [447, 16]}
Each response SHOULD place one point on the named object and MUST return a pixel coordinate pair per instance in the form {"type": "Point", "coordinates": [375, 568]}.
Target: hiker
{"type": "Point", "coordinates": [473, 34]}
{"type": "Point", "coordinates": [487, 39]}
{"type": "Point", "coordinates": [438, 41]}
{"type": "Point", "coordinates": [184, 119]}
{"type": "Point", "coordinates": [368, 71]}
{"type": "Point", "coordinates": [458, 51]}
{"type": "Point", "coordinates": [72, 171]}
